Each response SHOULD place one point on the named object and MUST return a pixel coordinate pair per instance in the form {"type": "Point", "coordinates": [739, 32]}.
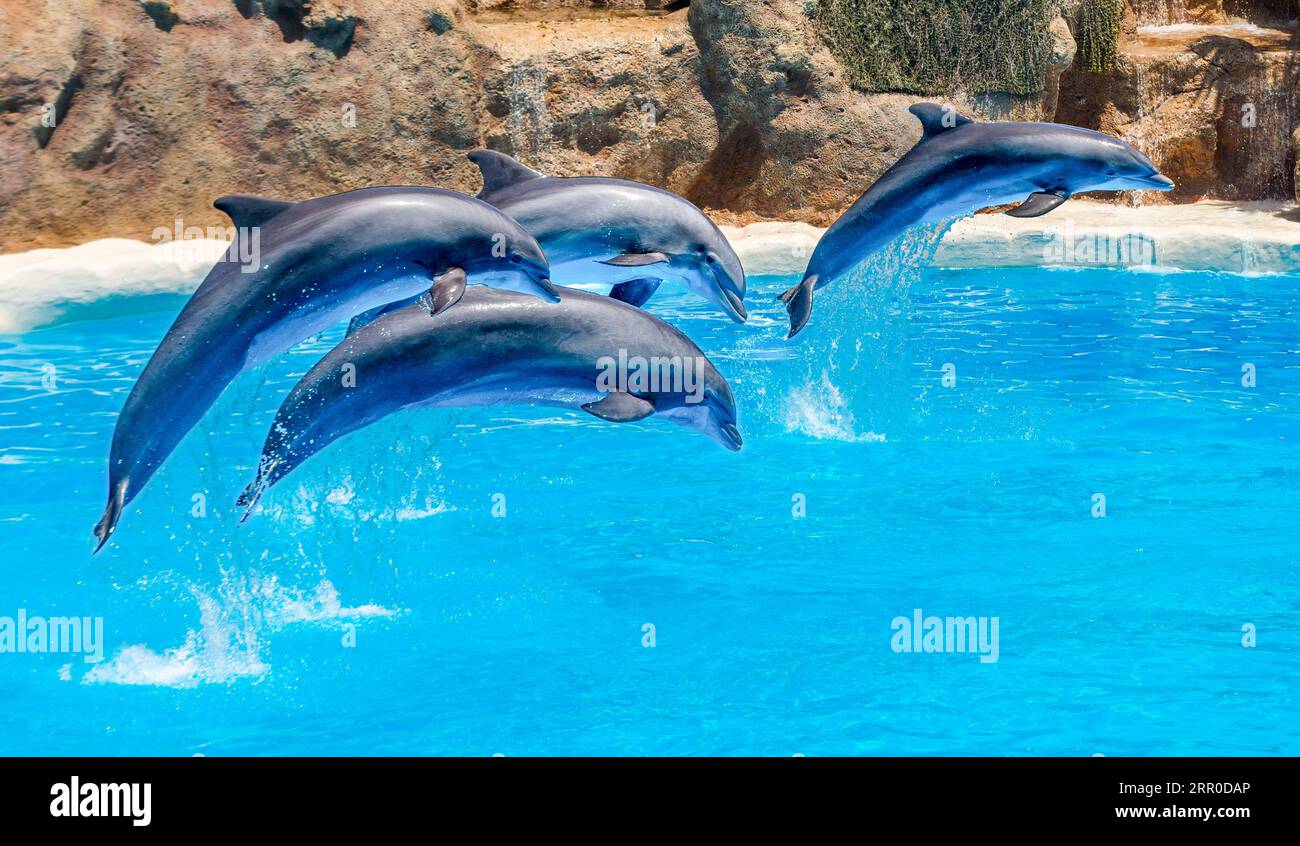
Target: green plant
{"type": "Point", "coordinates": [1097, 34]}
{"type": "Point", "coordinates": [933, 46]}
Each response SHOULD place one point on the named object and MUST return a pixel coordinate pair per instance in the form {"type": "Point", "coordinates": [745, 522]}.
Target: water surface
{"type": "Point", "coordinates": [522, 634]}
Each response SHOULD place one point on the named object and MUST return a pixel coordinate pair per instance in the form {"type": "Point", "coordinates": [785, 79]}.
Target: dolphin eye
{"type": "Point", "coordinates": [516, 258]}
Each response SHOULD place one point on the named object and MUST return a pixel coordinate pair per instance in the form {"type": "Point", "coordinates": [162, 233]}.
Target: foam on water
{"type": "Point", "coordinates": [818, 410]}
{"type": "Point", "coordinates": [863, 322]}
{"type": "Point", "coordinates": [235, 622]}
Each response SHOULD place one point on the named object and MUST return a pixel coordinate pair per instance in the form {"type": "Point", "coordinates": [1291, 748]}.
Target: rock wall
{"type": "Point", "coordinates": [1165, 12]}
{"type": "Point", "coordinates": [118, 117]}
{"type": "Point", "coordinates": [1213, 101]}
{"type": "Point", "coordinates": [797, 140]}
{"type": "Point", "coordinates": [160, 107]}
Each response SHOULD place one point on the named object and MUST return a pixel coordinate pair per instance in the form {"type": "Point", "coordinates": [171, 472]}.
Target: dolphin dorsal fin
{"type": "Point", "coordinates": [247, 212]}
{"type": "Point", "coordinates": [500, 171]}
{"type": "Point", "coordinates": [936, 119]}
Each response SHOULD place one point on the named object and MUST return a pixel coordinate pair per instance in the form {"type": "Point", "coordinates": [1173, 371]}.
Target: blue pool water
{"type": "Point", "coordinates": [522, 634]}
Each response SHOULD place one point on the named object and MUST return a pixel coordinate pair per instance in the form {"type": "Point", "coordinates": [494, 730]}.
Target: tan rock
{"type": "Point", "coordinates": [1213, 106]}
{"type": "Point", "coordinates": [299, 99]}
{"type": "Point", "coordinates": [1295, 153]}
{"type": "Point", "coordinates": [157, 107]}
{"type": "Point", "coordinates": [1163, 12]}
{"type": "Point", "coordinates": [797, 140]}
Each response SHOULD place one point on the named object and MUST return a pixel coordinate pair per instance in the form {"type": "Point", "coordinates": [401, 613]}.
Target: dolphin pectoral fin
{"type": "Point", "coordinates": [247, 212]}
{"type": "Point", "coordinates": [619, 407]}
{"type": "Point", "coordinates": [1039, 204]}
{"type": "Point", "coordinates": [501, 171]}
{"type": "Point", "coordinates": [635, 292]}
{"type": "Point", "coordinates": [112, 513]}
{"type": "Point", "coordinates": [636, 259]}
{"type": "Point", "coordinates": [447, 290]}
{"type": "Point", "coordinates": [798, 304]}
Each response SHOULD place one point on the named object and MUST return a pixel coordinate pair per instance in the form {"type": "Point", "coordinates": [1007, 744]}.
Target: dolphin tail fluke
{"type": "Point", "coordinates": [249, 495]}
{"type": "Point", "coordinates": [249, 499]}
{"type": "Point", "coordinates": [798, 304]}
{"type": "Point", "coordinates": [253, 492]}
{"type": "Point", "coordinates": [112, 513]}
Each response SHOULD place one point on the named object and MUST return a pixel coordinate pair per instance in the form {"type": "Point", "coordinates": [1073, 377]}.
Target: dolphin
{"type": "Point", "coordinates": [960, 166]}
{"type": "Point", "coordinates": [321, 261]}
{"type": "Point", "coordinates": [498, 347]}
{"type": "Point", "coordinates": [596, 229]}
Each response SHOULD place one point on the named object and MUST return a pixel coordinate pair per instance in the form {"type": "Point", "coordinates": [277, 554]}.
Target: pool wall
{"type": "Point", "coordinates": [46, 286]}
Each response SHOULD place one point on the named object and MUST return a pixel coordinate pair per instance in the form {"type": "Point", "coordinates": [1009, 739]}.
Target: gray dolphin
{"type": "Point", "coordinates": [960, 166]}
{"type": "Point", "coordinates": [592, 352]}
{"type": "Point", "coordinates": [321, 261]}
{"type": "Point", "coordinates": [596, 229]}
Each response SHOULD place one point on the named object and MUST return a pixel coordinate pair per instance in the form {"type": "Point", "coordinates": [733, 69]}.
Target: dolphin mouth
{"type": "Point", "coordinates": [544, 286]}
{"type": "Point", "coordinates": [732, 439]}
{"type": "Point", "coordinates": [737, 306]}
{"type": "Point", "coordinates": [731, 301]}
{"type": "Point", "coordinates": [1158, 182]}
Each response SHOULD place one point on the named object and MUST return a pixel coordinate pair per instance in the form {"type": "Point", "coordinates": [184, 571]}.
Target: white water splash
{"type": "Point", "coordinates": [819, 410]}
{"type": "Point", "coordinates": [859, 340]}
{"type": "Point", "coordinates": [229, 642]}
{"type": "Point", "coordinates": [344, 503]}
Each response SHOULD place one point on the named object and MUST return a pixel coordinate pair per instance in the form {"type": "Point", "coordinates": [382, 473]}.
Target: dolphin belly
{"type": "Point", "coordinates": [593, 273]}
{"type": "Point", "coordinates": [305, 323]}
{"type": "Point", "coordinates": [571, 395]}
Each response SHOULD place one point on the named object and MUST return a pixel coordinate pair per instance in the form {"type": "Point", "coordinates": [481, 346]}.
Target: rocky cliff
{"type": "Point", "coordinates": [118, 117]}
{"type": "Point", "coordinates": [1207, 88]}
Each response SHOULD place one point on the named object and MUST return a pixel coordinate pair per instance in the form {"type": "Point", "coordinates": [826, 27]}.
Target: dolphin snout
{"type": "Point", "coordinates": [731, 437]}
{"type": "Point", "coordinates": [1160, 182]}
{"type": "Point", "coordinates": [545, 288]}
{"type": "Point", "coordinates": [736, 306]}
{"type": "Point", "coordinates": [730, 290]}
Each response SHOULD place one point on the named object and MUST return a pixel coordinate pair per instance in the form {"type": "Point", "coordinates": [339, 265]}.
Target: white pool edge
{"type": "Point", "coordinates": [1206, 236]}
{"type": "Point", "coordinates": [40, 286]}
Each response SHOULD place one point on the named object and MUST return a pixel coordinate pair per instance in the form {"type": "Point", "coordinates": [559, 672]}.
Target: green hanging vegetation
{"type": "Point", "coordinates": [934, 46]}
{"type": "Point", "coordinates": [1097, 34]}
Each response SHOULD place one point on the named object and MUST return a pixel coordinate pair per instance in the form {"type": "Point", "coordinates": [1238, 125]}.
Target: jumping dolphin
{"type": "Point", "coordinates": [496, 348]}
{"type": "Point", "coordinates": [596, 229]}
{"type": "Point", "coordinates": [960, 166]}
{"type": "Point", "coordinates": [321, 261]}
